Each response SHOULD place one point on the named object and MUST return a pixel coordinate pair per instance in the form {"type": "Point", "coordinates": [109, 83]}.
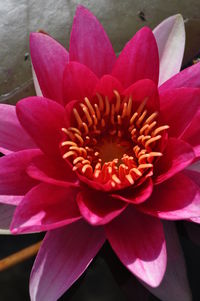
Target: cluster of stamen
{"type": "Point", "coordinates": [103, 122]}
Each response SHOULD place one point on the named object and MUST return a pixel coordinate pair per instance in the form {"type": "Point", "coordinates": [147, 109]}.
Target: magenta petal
{"type": "Point", "coordinates": [89, 44]}
{"type": "Point", "coordinates": [189, 77]}
{"type": "Point", "coordinates": [192, 134]}
{"type": "Point", "coordinates": [11, 130]}
{"type": "Point", "coordinates": [63, 257]}
{"type": "Point", "coordinates": [176, 156]}
{"type": "Point", "coordinates": [139, 242]}
{"type": "Point", "coordinates": [106, 85]}
{"type": "Point", "coordinates": [138, 60]}
{"type": "Point", "coordinates": [178, 107]}
{"type": "Point", "coordinates": [99, 208]}
{"type": "Point", "coordinates": [45, 207]}
{"type": "Point", "coordinates": [78, 82]}
{"type": "Point", "coordinates": [136, 195]}
{"type": "Point", "coordinates": [176, 199]}
{"type": "Point", "coordinates": [175, 285]}
{"type": "Point", "coordinates": [170, 38]}
{"type": "Point", "coordinates": [13, 177]}
{"type": "Point", "coordinates": [43, 119]}
{"type": "Point", "coordinates": [49, 59]}
{"type": "Point", "coordinates": [144, 89]}
{"type": "Point", "coordinates": [6, 215]}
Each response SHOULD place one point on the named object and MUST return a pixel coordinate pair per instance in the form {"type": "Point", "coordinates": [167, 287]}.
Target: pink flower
{"type": "Point", "coordinates": [103, 153]}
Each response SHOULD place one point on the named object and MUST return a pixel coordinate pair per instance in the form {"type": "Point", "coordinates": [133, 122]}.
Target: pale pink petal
{"type": "Point", "coordinates": [89, 44]}
{"type": "Point", "coordinates": [36, 83]}
{"type": "Point", "coordinates": [175, 199]}
{"type": "Point", "coordinates": [49, 60]}
{"type": "Point", "coordinates": [99, 209]}
{"type": "Point", "coordinates": [78, 82]}
{"type": "Point", "coordinates": [11, 130]}
{"type": "Point", "coordinates": [139, 242]}
{"type": "Point", "coordinates": [138, 60]}
{"type": "Point", "coordinates": [175, 285]}
{"type": "Point", "coordinates": [189, 77]}
{"type": "Point", "coordinates": [63, 257]}
{"type": "Point", "coordinates": [43, 119]}
{"type": "Point", "coordinates": [6, 215]}
{"type": "Point", "coordinates": [45, 207]}
{"type": "Point", "coordinates": [176, 156]}
{"type": "Point", "coordinates": [178, 107]}
{"type": "Point", "coordinates": [170, 38]}
{"type": "Point", "coordinates": [11, 199]}
{"type": "Point", "coordinates": [13, 177]}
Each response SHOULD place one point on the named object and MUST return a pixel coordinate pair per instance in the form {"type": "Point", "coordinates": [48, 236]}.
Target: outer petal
{"type": "Point", "coordinates": [11, 199]}
{"type": "Point", "coordinates": [13, 177]}
{"type": "Point", "coordinates": [49, 60]}
{"type": "Point", "coordinates": [136, 195]}
{"type": "Point", "coordinates": [45, 207]}
{"type": "Point", "coordinates": [99, 209]}
{"type": "Point", "coordinates": [138, 60]}
{"type": "Point", "coordinates": [174, 285]}
{"type": "Point", "coordinates": [189, 77]}
{"type": "Point", "coordinates": [11, 130]}
{"type": "Point", "coordinates": [170, 38]}
{"type": "Point", "coordinates": [6, 215]}
{"type": "Point", "coordinates": [178, 107]}
{"type": "Point", "coordinates": [192, 134]}
{"type": "Point", "coordinates": [106, 85]}
{"type": "Point", "coordinates": [89, 43]}
{"type": "Point", "coordinates": [176, 199]}
{"type": "Point", "coordinates": [64, 255]}
{"type": "Point", "coordinates": [78, 82]}
{"type": "Point", "coordinates": [176, 156]}
{"type": "Point", "coordinates": [43, 119]}
{"type": "Point", "coordinates": [142, 251]}
{"type": "Point", "coordinates": [36, 83]}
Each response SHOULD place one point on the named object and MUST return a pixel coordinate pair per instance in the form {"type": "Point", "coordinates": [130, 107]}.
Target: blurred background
{"type": "Point", "coordinates": [106, 279]}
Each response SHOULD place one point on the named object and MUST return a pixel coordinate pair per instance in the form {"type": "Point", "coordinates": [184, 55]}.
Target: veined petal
{"type": "Point", "coordinates": [138, 60]}
{"type": "Point", "coordinates": [99, 209]}
{"type": "Point", "coordinates": [6, 215]}
{"type": "Point", "coordinates": [170, 38]}
{"type": "Point", "coordinates": [49, 60]}
{"type": "Point", "coordinates": [11, 130]}
{"type": "Point", "coordinates": [63, 257]}
{"type": "Point", "coordinates": [89, 44]}
{"type": "Point", "coordinates": [43, 119]}
{"type": "Point", "coordinates": [139, 243]}
{"type": "Point", "coordinates": [78, 82]}
{"type": "Point", "coordinates": [45, 207]}
{"type": "Point", "coordinates": [170, 201]}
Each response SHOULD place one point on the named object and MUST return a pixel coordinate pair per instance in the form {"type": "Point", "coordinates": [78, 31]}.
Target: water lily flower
{"type": "Point", "coordinates": [103, 153]}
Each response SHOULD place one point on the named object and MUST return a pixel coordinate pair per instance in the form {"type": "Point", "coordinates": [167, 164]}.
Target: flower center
{"type": "Point", "coordinates": [112, 142]}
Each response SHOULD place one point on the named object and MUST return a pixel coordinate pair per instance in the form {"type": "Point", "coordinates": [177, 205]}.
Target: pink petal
{"type": "Point", "coordinates": [175, 285]}
{"type": "Point", "coordinates": [106, 85]}
{"type": "Point", "coordinates": [43, 119]}
{"type": "Point", "coordinates": [6, 215]}
{"type": "Point", "coordinates": [142, 251]}
{"type": "Point", "coordinates": [36, 83]}
{"type": "Point", "coordinates": [78, 82]}
{"type": "Point", "coordinates": [11, 130]}
{"type": "Point", "coordinates": [63, 257]}
{"type": "Point", "coordinates": [144, 89]}
{"type": "Point", "coordinates": [89, 44]}
{"type": "Point", "coordinates": [178, 107]}
{"type": "Point", "coordinates": [13, 177]}
{"type": "Point", "coordinates": [98, 208]}
{"type": "Point", "coordinates": [176, 199]}
{"type": "Point", "coordinates": [170, 38]}
{"type": "Point", "coordinates": [192, 134]}
{"type": "Point", "coordinates": [136, 195]}
{"type": "Point", "coordinates": [176, 156]}
{"type": "Point", "coordinates": [49, 60]}
{"type": "Point", "coordinates": [189, 77]}
{"type": "Point", "coordinates": [54, 171]}
{"type": "Point", "coordinates": [138, 60]}
{"type": "Point", "coordinates": [45, 207]}
{"type": "Point", "coordinates": [11, 199]}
